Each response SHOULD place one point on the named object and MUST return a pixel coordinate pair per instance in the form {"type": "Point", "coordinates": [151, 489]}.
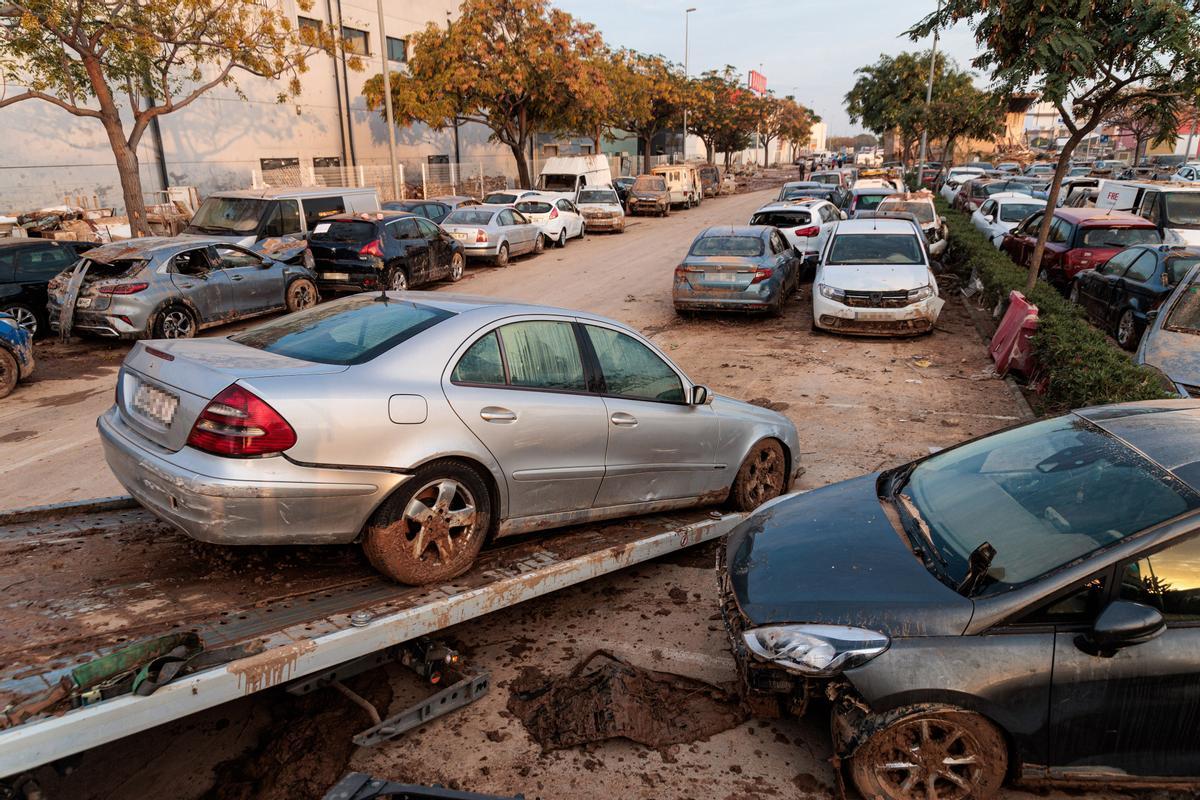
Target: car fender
{"type": "Point", "coordinates": [177, 299]}
{"type": "Point", "coordinates": [743, 425]}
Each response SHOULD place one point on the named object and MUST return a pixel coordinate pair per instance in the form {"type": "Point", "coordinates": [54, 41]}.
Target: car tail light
{"type": "Point", "coordinates": [811, 230]}
{"type": "Point", "coordinates": [374, 248]}
{"type": "Point", "coordinates": [554, 213]}
{"type": "Point", "coordinates": [123, 288]}
{"type": "Point", "coordinates": [762, 274]}
{"type": "Point", "coordinates": [480, 235]}
{"type": "Point", "coordinates": [1079, 259]}
{"type": "Point", "coordinates": [237, 423]}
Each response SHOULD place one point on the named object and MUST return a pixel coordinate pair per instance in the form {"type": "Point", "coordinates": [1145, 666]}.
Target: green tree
{"type": "Point", "coordinates": [795, 125]}
{"type": "Point", "coordinates": [649, 93]}
{"type": "Point", "coordinates": [513, 66]}
{"type": "Point", "coordinates": [714, 113]}
{"type": "Point", "coordinates": [153, 57]}
{"type": "Point", "coordinates": [1087, 57]}
{"type": "Point", "coordinates": [889, 96]}
{"type": "Point", "coordinates": [960, 110]}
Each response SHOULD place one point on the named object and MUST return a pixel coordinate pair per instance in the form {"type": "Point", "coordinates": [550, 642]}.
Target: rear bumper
{"type": "Point", "coordinates": [480, 249]}
{"type": "Point", "coordinates": [243, 501]}
{"type": "Point", "coordinates": [358, 277]}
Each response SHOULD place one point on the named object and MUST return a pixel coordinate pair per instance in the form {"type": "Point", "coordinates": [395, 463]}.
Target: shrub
{"type": "Point", "coordinates": [1079, 366]}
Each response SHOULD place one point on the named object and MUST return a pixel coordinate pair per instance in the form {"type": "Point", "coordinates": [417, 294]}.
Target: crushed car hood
{"type": "Point", "coordinates": [831, 556]}
{"type": "Point", "coordinates": [1174, 353]}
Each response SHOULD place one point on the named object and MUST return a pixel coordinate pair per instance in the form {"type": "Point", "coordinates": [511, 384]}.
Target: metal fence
{"type": "Point", "coordinates": [373, 176]}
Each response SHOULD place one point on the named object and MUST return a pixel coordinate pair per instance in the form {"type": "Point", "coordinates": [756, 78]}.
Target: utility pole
{"type": "Point", "coordinates": [686, 16]}
{"type": "Point", "coordinates": [928, 100]}
{"type": "Point", "coordinates": [387, 103]}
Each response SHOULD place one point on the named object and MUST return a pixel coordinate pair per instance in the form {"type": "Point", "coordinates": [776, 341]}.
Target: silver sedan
{"type": "Point", "coordinates": [494, 232]}
{"type": "Point", "coordinates": [425, 423]}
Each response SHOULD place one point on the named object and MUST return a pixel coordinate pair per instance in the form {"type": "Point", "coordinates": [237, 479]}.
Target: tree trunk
{"type": "Point", "coordinates": [710, 151]}
{"type": "Point", "coordinates": [948, 153]}
{"type": "Point", "coordinates": [1064, 161]}
{"type": "Point", "coordinates": [518, 151]}
{"type": "Point", "coordinates": [128, 171]}
{"type": "Point", "coordinates": [646, 140]}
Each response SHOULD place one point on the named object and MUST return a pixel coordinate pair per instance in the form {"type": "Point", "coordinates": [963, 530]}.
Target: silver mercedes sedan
{"type": "Point", "coordinates": [423, 423]}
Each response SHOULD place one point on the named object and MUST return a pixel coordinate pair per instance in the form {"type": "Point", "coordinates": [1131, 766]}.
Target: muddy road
{"type": "Point", "coordinates": [859, 404]}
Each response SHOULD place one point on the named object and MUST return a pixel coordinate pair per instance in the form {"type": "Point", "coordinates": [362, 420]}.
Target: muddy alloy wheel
{"type": "Point", "coordinates": [10, 372]}
{"type": "Point", "coordinates": [175, 323]}
{"type": "Point", "coordinates": [457, 267]}
{"type": "Point", "coordinates": [562, 236]}
{"type": "Point", "coordinates": [932, 755]}
{"type": "Point", "coordinates": [398, 280]}
{"type": "Point", "coordinates": [502, 255]}
{"type": "Point", "coordinates": [431, 529]}
{"type": "Point", "coordinates": [761, 476]}
{"type": "Point", "coordinates": [301, 294]}
{"type": "Point", "coordinates": [539, 245]}
{"type": "Point", "coordinates": [24, 316]}
{"type": "Point", "coordinates": [1127, 330]}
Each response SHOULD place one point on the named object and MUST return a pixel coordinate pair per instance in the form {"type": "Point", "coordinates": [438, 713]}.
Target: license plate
{"type": "Point", "coordinates": [335, 276]}
{"type": "Point", "coordinates": [154, 403]}
{"type": "Point", "coordinates": [723, 277]}
{"type": "Point", "coordinates": [462, 237]}
{"type": "Point", "coordinates": [83, 302]}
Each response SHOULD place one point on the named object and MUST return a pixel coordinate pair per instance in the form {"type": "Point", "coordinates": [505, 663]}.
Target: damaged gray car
{"type": "Point", "coordinates": [1025, 605]}
{"type": "Point", "coordinates": [164, 288]}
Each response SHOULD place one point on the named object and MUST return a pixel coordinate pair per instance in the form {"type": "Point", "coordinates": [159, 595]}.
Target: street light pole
{"type": "Point", "coordinates": [686, 16]}
{"type": "Point", "coordinates": [387, 103]}
{"type": "Point", "coordinates": [928, 100]}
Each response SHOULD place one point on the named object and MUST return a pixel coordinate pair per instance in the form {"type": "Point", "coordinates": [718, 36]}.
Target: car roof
{"type": "Point", "coordinates": [803, 184]}
{"type": "Point", "coordinates": [496, 308]}
{"type": "Point", "coordinates": [372, 216]}
{"type": "Point", "coordinates": [1090, 217]}
{"type": "Point", "coordinates": [875, 225]}
{"type": "Point", "coordinates": [861, 190]}
{"type": "Point", "coordinates": [1165, 431]}
{"type": "Point", "coordinates": [801, 204]}
{"type": "Point", "coordinates": [272, 192]}
{"type": "Point", "coordinates": [493, 207]}
{"type": "Point", "coordinates": [1028, 198]}
{"type": "Point", "coordinates": [10, 244]}
{"type": "Point", "coordinates": [751, 231]}
{"type": "Point", "coordinates": [148, 247]}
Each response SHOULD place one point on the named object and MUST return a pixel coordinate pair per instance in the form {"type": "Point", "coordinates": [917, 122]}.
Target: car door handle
{"type": "Point", "coordinates": [236, 277]}
{"type": "Point", "coordinates": [623, 419]}
{"type": "Point", "coordinates": [497, 414]}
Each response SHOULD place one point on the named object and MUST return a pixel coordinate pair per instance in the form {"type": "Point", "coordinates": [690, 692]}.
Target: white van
{"type": "Point", "coordinates": [248, 216]}
{"type": "Point", "coordinates": [566, 175]}
{"type": "Point", "coordinates": [683, 181]}
{"type": "Point", "coordinates": [1173, 206]}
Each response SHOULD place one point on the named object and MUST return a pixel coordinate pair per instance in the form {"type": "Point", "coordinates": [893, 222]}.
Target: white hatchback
{"type": "Point", "coordinates": [557, 216]}
{"type": "Point", "coordinates": [804, 223]}
{"type": "Point", "coordinates": [1002, 212]}
{"type": "Point", "coordinates": [955, 178]}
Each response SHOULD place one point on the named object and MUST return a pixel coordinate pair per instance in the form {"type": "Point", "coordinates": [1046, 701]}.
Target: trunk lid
{"type": "Point", "coordinates": [341, 241]}
{"type": "Point", "coordinates": [717, 272]}
{"type": "Point", "coordinates": [164, 385]}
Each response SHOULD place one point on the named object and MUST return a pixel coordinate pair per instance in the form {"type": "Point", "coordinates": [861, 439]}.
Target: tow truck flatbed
{"type": "Point", "coordinates": [84, 580]}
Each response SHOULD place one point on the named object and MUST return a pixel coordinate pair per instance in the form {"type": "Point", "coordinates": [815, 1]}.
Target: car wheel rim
{"type": "Point", "coordinates": [562, 238]}
{"type": "Point", "coordinates": [456, 267]}
{"type": "Point", "coordinates": [502, 257]}
{"type": "Point", "coordinates": [766, 475]}
{"type": "Point", "coordinates": [302, 296]}
{"type": "Point", "coordinates": [177, 325]}
{"type": "Point", "coordinates": [399, 281]}
{"type": "Point", "coordinates": [1125, 329]}
{"type": "Point", "coordinates": [1074, 294]}
{"type": "Point", "coordinates": [25, 318]}
{"type": "Point", "coordinates": [929, 759]}
{"type": "Point", "coordinates": [440, 520]}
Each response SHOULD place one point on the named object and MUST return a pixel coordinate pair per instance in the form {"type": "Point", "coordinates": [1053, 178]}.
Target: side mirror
{"type": "Point", "coordinates": [990, 217]}
{"type": "Point", "coordinates": [701, 395]}
{"type": "Point", "coordinates": [1151, 316]}
{"type": "Point", "coordinates": [842, 214]}
{"type": "Point", "coordinates": [1121, 624]}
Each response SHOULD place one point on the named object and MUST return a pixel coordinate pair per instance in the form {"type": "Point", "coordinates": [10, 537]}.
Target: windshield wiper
{"type": "Point", "coordinates": [911, 513]}
{"type": "Point", "coordinates": [978, 564]}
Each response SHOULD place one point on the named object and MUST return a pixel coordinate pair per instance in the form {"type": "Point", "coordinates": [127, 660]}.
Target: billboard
{"type": "Point", "coordinates": [758, 82]}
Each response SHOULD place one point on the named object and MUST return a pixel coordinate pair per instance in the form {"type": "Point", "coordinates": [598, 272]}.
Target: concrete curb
{"type": "Point", "coordinates": [33, 513]}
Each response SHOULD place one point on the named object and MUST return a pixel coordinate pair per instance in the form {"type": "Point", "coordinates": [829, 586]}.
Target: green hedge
{"type": "Point", "coordinates": [1080, 366]}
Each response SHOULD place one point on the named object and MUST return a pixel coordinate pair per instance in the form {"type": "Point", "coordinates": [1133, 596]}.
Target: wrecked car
{"type": "Point", "coordinates": [1169, 344]}
{"type": "Point", "coordinates": [16, 353]}
{"type": "Point", "coordinates": [388, 249]}
{"type": "Point", "coordinates": [602, 210]}
{"type": "Point", "coordinates": [649, 195]}
{"type": "Point", "coordinates": [874, 278]}
{"type": "Point", "coordinates": [171, 288]}
{"type": "Point", "coordinates": [423, 424]}
{"type": "Point", "coordinates": [737, 268]}
{"type": "Point", "coordinates": [920, 204]}
{"type": "Point", "coordinates": [1023, 604]}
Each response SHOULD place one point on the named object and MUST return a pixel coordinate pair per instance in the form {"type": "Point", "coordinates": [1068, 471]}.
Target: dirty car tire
{"type": "Point", "coordinates": [301, 294]}
{"type": "Point", "coordinates": [761, 477]}
{"type": "Point", "coordinates": [457, 267]}
{"type": "Point", "coordinates": [10, 372]}
{"type": "Point", "coordinates": [432, 527]}
{"type": "Point", "coordinates": [25, 316]}
{"type": "Point", "coordinates": [174, 322]}
{"type": "Point", "coordinates": [502, 256]}
{"type": "Point", "coordinates": [915, 755]}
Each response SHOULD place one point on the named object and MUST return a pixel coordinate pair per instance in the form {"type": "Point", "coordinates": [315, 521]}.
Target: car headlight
{"type": "Point", "coordinates": [920, 293]}
{"type": "Point", "coordinates": [832, 293]}
{"type": "Point", "coordinates": [816, 650]}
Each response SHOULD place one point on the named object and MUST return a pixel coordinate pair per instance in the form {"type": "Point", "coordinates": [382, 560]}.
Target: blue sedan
{"type": "Point", "coordinates": [747, 268]}
{"type": "Point", "coordinates": [16, 354]}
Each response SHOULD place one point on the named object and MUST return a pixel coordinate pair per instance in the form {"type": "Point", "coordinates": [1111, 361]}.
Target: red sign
{"type": "Point", "coordinates": [758, 82]}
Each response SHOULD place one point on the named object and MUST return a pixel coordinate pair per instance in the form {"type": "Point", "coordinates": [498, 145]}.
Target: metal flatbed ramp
{"type": "Point", "coordinates": [83, 582]}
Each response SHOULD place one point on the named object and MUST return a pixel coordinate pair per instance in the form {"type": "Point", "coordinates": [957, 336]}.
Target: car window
{"type": "Point", "coordinates": [1168, 580]}
{"type": "Point", "coordinates": [8, 259]}
{"type": "Point", "coordinates": [564, 205]}
{"type": "Point", "coordinates": [1149, 207]}
{"type": "Point", "coordinates": [395, 229]}
{"type": "Point", "coordinates": [633, 370]}
{"type": "Point", "coordinates": [233, 258]}
{"type": "Point", "coordinates": [318, 208]}
{"type": "Point", "coordinates": [427, 229]}
{"type": "Point", "coordinates": [1082, 604]}
{"type": "Point", "coordinates": [1178, 268]}
{"type": "Point", "coordinates": [781, 219]}
{"type": "Point", "coordinates": [43, 263]}
{"type": "Point", "coordinates": [435, 211]}
{"type": "Point", "coordinates": [543, 355]}
{"type": "Point", "coordinates": [1015, 212]}
{"type": "Point", "coordinates": [349, 331]}
{"type": "Point", "coordinates": [875, 248]}
{"type": "Point", "coordinates": [1185, 313]}
{"type": "Point", "coordinates": [283, 219]}
{"type": "Point", "coordinates": [506, 218]}
{"type": "Point", "coordinates": [1144, 267]}
{"type": "Point", "coordinates": [1183, 209]}
{"type": "Point", "coordinates": [1120, 262]}
{"type": "Point", "coordinates": [1042, 495]}
{"type": "Point", "coordinates": [408, 228]}
{"type": "Point", "coordinates": [470, 216]}
{"type": "Point", "coordinates": [1059, 231]}
{"type": "Point", "coordinates": [481, 363]}
{"type": "Point", "coordinates": [191, 262]}
{"type": "Point", "coordinates": [988, 207]}
{"type": "Point", "coordinates": [727, 246]}
{"type": "Point", "coordinates": [599, 196]}
{"type": "Point", "coordinates": [1119, 237]}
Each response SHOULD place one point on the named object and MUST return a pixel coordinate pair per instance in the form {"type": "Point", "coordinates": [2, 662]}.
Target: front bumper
{"type": "Point", "coordinates": [243, 501]}
{"type": "Point", "coordinates": [917, 318]}
{"type": "Point", "coordinates": [647, 206]}
{"type": "Point", "coordinates": [604, 223]}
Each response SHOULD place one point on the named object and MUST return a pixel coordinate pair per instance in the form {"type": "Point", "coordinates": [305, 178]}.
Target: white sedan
{"type": "Point", "coordinates": [557, 216]}
{"type": "Point", "coordinates": [955, 178]}
{"type": "Point", "coordinates": [1002, 212]}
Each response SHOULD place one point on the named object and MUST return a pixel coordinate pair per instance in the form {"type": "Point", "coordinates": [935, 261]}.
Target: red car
{"type": "Point", "coordinates": [971, 195]}
{"type": "Point", "coordinates": [1079, 239]}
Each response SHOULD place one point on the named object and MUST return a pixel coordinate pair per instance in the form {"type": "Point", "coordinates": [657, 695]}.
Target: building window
{"type": "Point", "coordinates": [326, 162]}
{"type": "Point", "coordinates": [269, 164]}
{"type": "Point", "coordinates": [355, 41]}
{"type": "Point", "coordinates": [397, 50]}
{"type": "Point", "coordinates": [310, 29]}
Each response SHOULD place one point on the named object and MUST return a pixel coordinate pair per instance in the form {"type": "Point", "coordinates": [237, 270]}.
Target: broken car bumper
{"type": "Point", "coordinates": [243, 501]}
{"type": "Point", "coordinates": [916, 318]}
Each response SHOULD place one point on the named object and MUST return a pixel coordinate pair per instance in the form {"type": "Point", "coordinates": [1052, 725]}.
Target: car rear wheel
{"type": "Point", "coordinates": [10, 372]}
{"type": "Point", "coordinates": [761, 476]}
{"type": "Point", "coordinates": [431, 529]}
{"type": "Point", "coordinates": [562, 236]}
{"type": "Point", "coordinates": [397, 280]}
{"type": "Point", "coordinates": [301, 294]}
{"type": "Point", "coordinates": [947, 755]}
{"type": "Point", "coordinates": [502, 254]}
{"type": "Point", "coordinates": [458, 267]}
{"type": "Point", "coordinates": [25, 316]}
{"type": "Point", "coordinates": [539, 245]}
{"type": "Point", "coordinates": [175, 322]}
{"type": "Point", "coordinates": [1127, 330]}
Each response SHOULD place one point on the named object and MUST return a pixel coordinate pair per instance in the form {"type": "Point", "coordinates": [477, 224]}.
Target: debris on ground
{"type": "Point", "coordinates": [606, 697]}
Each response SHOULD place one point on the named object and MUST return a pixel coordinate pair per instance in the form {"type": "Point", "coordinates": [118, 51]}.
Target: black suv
{"type": "Point", "coordinates": [26, 266]}
{"type": "Point", "coordinates": [382, 250]}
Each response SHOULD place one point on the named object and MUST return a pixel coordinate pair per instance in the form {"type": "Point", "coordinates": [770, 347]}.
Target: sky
{"type": "Point", "coordinates": [807, 48]}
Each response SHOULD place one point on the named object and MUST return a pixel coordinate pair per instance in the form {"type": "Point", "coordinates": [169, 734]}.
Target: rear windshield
{"type": "Point", "coordinates": [501, 198]}
{"type": "Point", "coordinates": [598, 196]}
{"type": "Point", "coordinates": [922, 211]}
{"type": "Point", "coordinates": [1119, 237]}
{"type": "Point", "coordinates": [531, 207]}
{"type": "Point", "coordinates": [1183, 209]}
{"type": "Point", "coordinates": [832, 178]}
{"type": "Point", "coordinates": [468, 216]}
{"type": "Point", "coordinates": [1015, 212]}
{"type": "Point", "coordinates": [352, 231]}
{"type": "Point", "coordinates": [350, 331]}
{"type": "Point", "coordinates": [875, 248]}
{"type": "Point", "coordinates": [649, 185]}
{"type": "Point", "coordinates": [1185, 314]}
{"type": "Point", "coordinates": [727, 246]}
{"type": "Point", "coordinates": [781, 219]}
